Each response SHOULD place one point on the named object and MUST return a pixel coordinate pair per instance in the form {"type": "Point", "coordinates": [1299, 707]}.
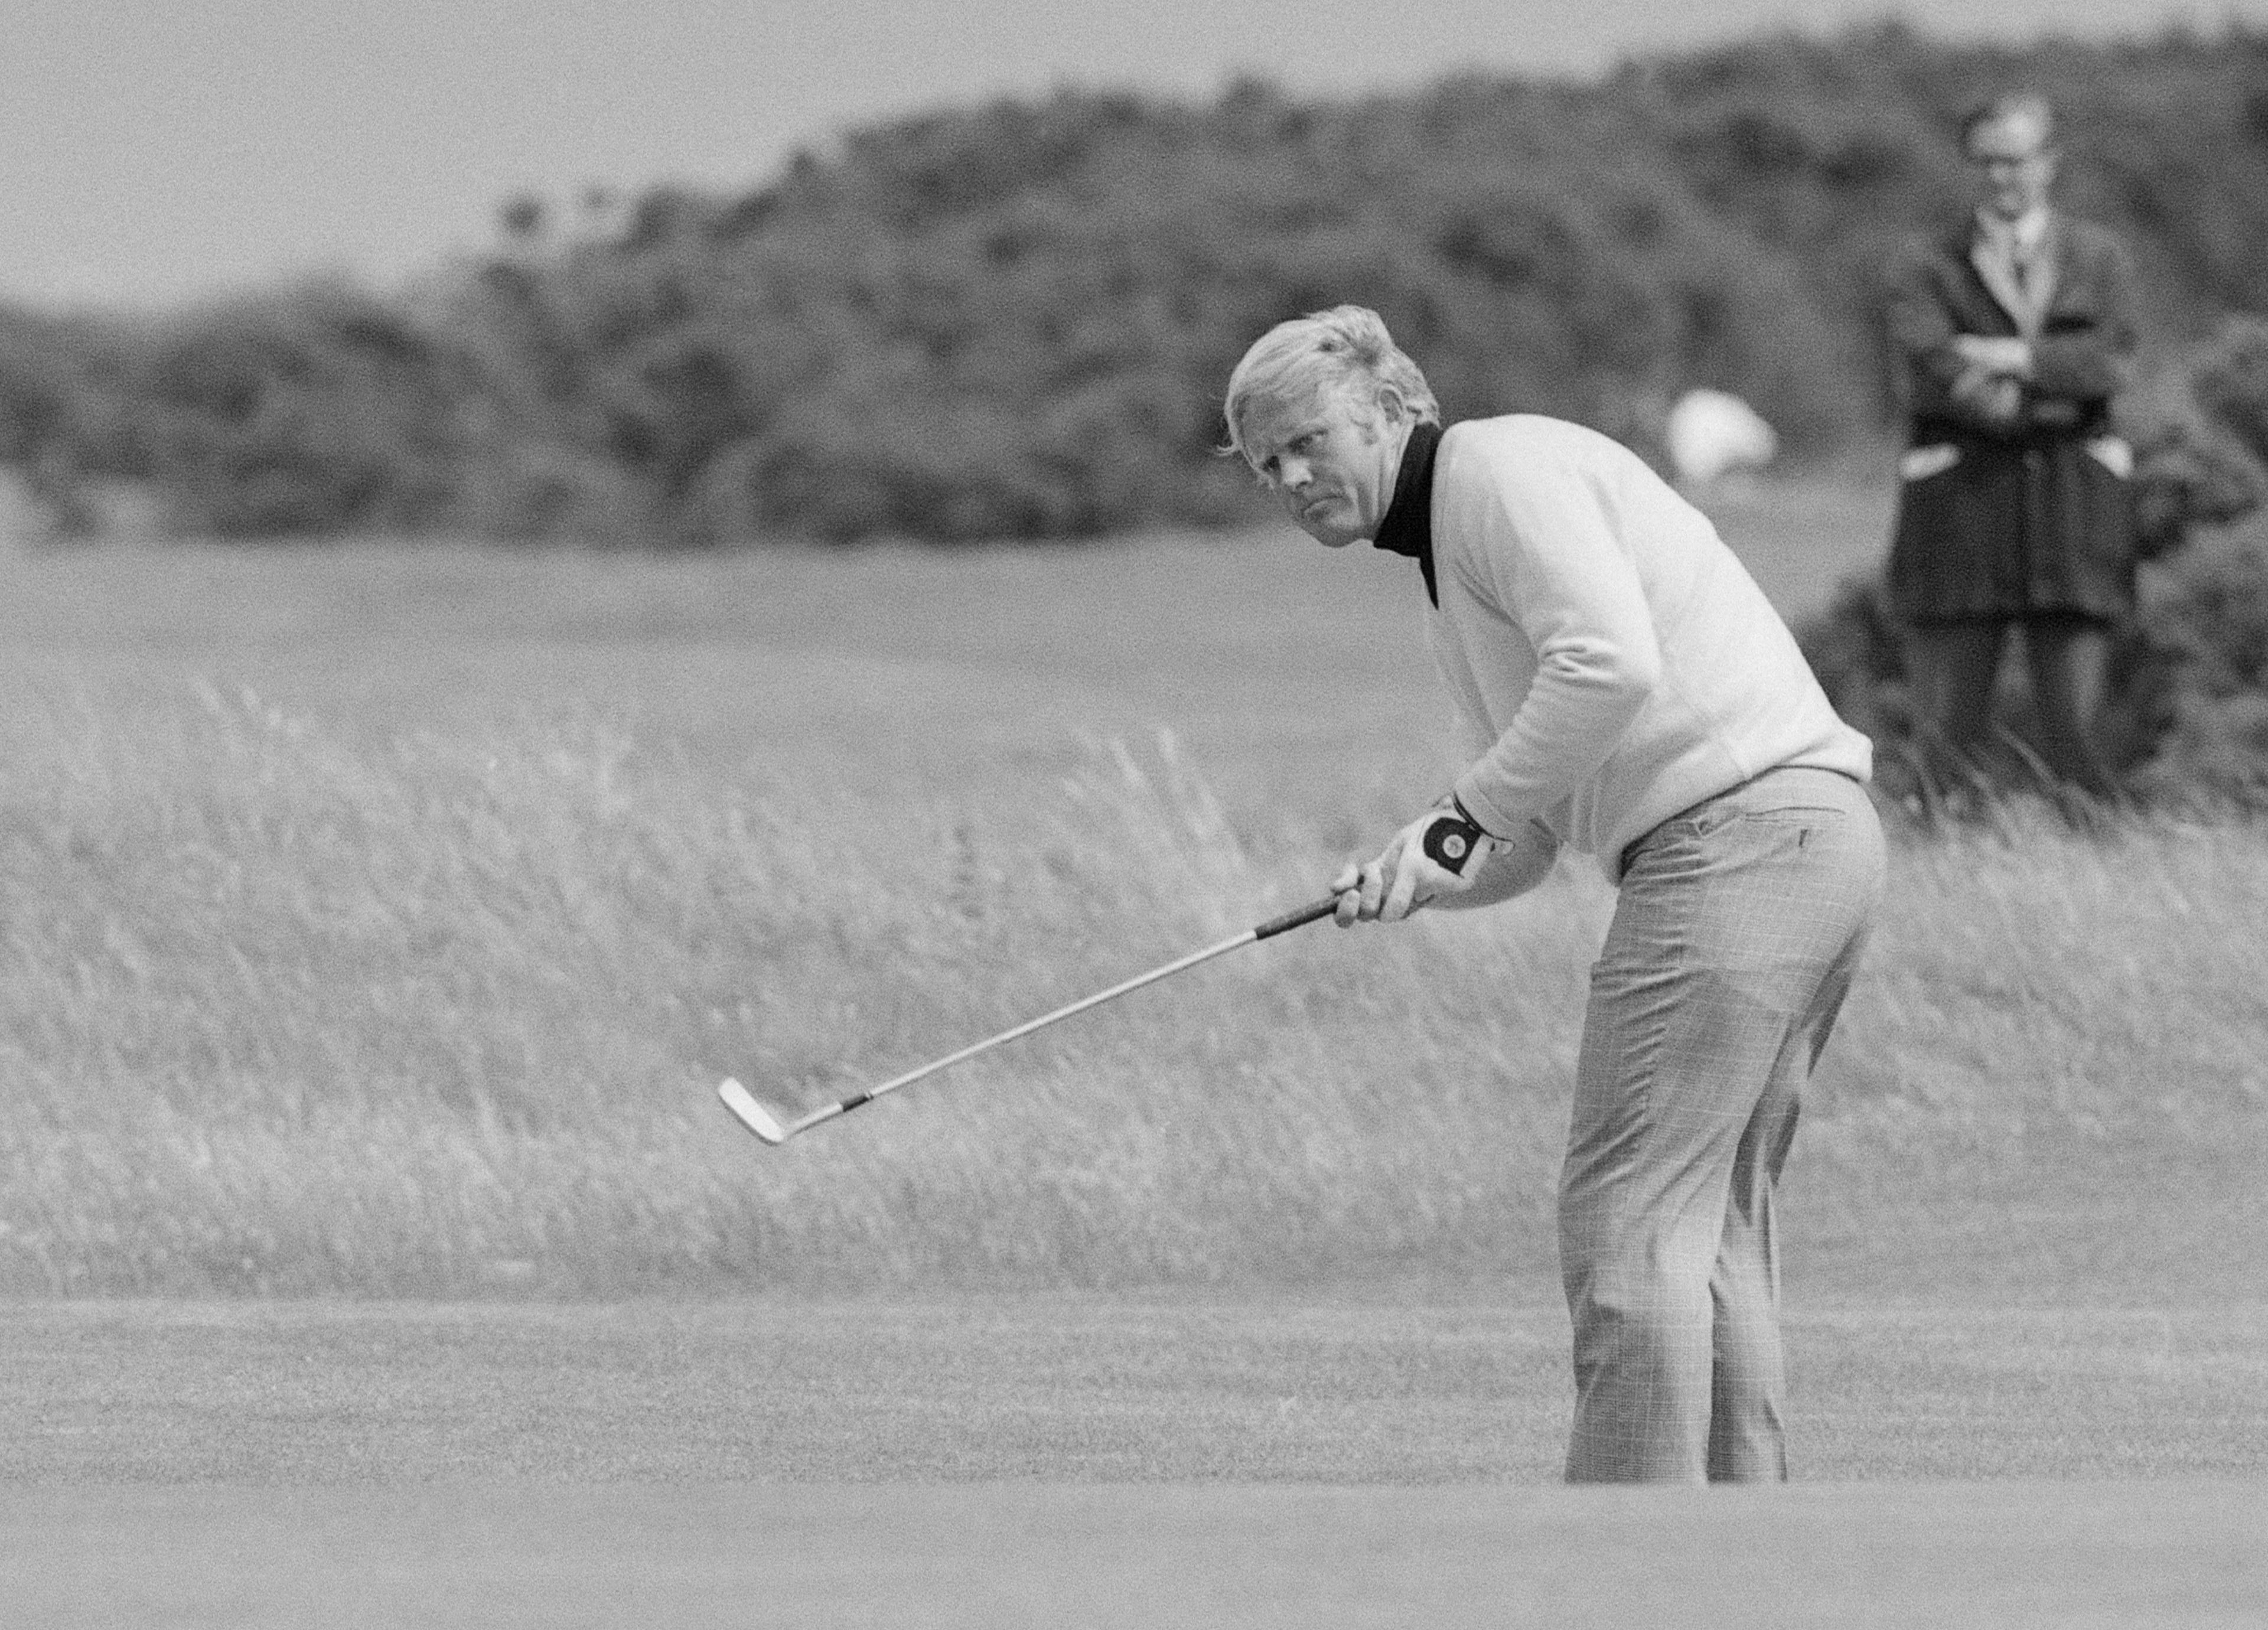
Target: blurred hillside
{"type": "Point", "coordinates": [1013, 320]}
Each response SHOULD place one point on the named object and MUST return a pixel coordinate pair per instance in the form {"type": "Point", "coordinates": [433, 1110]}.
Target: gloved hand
{"type": "Point", "coordinates": [1440, 852]}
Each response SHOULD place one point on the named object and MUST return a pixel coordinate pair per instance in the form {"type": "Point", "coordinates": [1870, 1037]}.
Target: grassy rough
{"type": "Point", "coordinates": [286, 1015]}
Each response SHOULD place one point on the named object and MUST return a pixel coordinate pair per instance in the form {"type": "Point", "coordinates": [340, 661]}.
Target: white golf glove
{"type": "Point", "coordinates": [1438, 853]}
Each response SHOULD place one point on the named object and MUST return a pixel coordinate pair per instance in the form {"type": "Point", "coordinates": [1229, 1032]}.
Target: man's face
{"type": "Point", "coordinates": [1331, 461]}
{"type": "Point", "coordinates": [2015, 164]}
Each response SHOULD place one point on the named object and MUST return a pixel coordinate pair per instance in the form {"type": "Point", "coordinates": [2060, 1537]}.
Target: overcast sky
{"type": "Point", "coordinates": [158, 149]}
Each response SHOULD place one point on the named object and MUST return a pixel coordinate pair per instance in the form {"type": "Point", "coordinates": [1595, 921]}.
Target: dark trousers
{"type": "Point", "coordinates": [1953, 666]}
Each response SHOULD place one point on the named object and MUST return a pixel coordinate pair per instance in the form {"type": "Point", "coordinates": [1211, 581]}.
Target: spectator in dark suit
{"type": "Point", "coordinates": [2013, 334]}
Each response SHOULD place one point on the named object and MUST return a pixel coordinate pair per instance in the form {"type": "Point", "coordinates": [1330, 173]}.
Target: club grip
{"type": "Point", "coordinates": [1450, 842]}
{"type": "Point", "coordinates": [1315, 912]}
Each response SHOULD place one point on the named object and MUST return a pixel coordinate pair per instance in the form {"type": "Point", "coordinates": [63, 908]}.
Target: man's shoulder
{"type": "Point", "coordinates": [2083, 237]}
{"type": "Point", "coordinates": [1533, 453]}
{"type": "Point", "coordinates": [1520, 432]}
{"type": "Point", "coordinates": [1945, 243]}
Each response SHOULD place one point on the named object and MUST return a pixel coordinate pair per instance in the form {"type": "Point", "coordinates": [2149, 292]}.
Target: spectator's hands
{"type": "Point", "coordinates": [2008, 357]}
{"type": "Point", "coordinates": [1994, 398]}
{"type": "Point", "coordinates": [1438, 853]}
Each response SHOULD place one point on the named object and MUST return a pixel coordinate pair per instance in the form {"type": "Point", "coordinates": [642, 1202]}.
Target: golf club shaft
{"type": "Point", "coordinates": [1312, 913]}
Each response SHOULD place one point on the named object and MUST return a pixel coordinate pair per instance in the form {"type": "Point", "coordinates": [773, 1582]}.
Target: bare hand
{"type": "Point", "coordinates": [1994, 398]}
{"type": "Point", "coordinates": [2004, 355]}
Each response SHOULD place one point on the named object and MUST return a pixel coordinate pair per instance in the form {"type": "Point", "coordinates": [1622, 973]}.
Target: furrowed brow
{"type": "Point", "coordinates": [1293, 437]}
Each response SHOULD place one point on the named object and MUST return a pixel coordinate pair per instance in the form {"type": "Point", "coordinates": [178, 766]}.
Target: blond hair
{"type": "Point", "coordinates": [1346, 348]}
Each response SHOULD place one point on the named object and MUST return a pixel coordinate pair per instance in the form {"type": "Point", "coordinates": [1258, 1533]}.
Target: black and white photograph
{"type": "Point", "coordinates": [1279, 817]}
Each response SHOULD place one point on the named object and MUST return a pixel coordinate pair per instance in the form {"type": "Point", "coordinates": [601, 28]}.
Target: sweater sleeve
{"type": "Point", "coordinates": [1922, 331]}
{"type": "Point", "coordinates": [1553, 564]}
{"type": "Point", "coordinates": [2092, 358]}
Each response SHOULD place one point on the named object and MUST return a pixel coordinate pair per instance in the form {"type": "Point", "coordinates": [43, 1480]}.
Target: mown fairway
{"type": "Point", "coordinates": [1063, 1459]}
{"type": "Point", "coordinates": [1021, 1556]}
{"type": "Point", "coordinates": [379, 921]}
{"type": "Point", "coordinates": [1061, 1387]}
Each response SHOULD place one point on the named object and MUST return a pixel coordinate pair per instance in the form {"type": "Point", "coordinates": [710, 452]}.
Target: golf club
{"type": "Point", "coordinates": [773, 1128]}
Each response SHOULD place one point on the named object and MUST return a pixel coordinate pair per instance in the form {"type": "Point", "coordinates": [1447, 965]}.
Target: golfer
{"type": "Point", "coordinates": [1625, 691]}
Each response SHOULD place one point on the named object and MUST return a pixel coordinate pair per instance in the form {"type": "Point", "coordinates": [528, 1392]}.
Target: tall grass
{"type": "Point", "coordinates": [278, 1015]}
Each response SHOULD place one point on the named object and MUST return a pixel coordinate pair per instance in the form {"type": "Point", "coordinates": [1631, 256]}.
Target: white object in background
{"type": "Point", "coordinates": [1713, 432]}
{"type": "Point", "coordinates": [1920, 463]}
{"type": "Point", "coordinates": [2115, 454]}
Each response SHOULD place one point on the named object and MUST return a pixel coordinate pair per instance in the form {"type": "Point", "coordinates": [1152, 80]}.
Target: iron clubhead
{"type": "Point", "coordinates": [750, 1114]}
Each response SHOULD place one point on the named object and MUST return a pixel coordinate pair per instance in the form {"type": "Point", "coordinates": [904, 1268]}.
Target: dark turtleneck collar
{"type": "Point", "coordinates": [1408, 527]}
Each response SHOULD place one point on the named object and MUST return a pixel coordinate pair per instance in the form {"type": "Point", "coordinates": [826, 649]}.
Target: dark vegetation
{"type": "Point", "coordinates": [1012, 322]}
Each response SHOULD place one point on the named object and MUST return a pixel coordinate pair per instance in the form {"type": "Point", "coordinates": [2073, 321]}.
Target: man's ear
{"type": "Point", "coordinates": [1388, 408]}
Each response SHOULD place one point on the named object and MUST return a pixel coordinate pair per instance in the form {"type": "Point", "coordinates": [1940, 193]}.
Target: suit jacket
{"type": "Point", "coordinates": [2029, 515]}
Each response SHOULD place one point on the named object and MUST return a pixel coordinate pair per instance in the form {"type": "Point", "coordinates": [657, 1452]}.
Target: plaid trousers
{"type": "Point", "coordinates": [1738, 928]}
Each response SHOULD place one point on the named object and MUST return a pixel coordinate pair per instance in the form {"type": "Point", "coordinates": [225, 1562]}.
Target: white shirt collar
{"type": "Point", "coordinates": [2025, 233]}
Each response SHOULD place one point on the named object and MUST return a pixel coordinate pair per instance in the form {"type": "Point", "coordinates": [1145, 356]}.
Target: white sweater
{"type": "Point", "coordinates": [1611, 661]}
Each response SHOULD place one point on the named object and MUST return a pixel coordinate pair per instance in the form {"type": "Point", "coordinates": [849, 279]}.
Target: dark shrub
{"type": "Point", "coordinates": [1013, 320]}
